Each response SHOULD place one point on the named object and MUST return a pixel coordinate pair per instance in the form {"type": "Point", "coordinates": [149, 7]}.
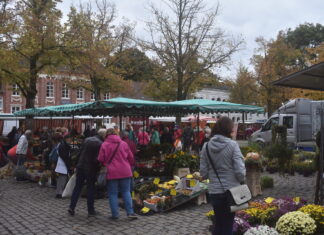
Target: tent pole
{"type": "Point", "coordinates": [73, 129]}
{"type": "Point", "coordinates": [51, 123]}
{"type": "Point", "coordinates": [243, 117]}
{"type": "Point", "coordinates": [198, 136]}
{"type": "Point", "coordinates": [321, 159]}
{"type": "Point", "coordinates": [120, 122]}
{"type": "Point", "coordinates": [143, 127]}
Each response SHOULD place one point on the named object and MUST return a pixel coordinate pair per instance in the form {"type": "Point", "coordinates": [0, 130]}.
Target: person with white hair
{"type": "Point", "coordinates": [87, 170]}
{"type": "Point", "coordinates": [21, 153]}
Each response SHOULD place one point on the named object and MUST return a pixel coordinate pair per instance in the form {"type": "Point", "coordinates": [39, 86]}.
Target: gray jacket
{"type": "Point", "coordinates": [228, 160]}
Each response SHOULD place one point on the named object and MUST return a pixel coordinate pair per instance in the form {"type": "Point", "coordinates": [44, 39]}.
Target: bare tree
{"type": "Point", "coordinates": [187, 42]}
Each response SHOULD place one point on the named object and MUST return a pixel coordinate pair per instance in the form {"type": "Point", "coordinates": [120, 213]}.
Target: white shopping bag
{"type": "Point", "coordinates": [69, 187]}
{"type": "Point", "coordinates": [61, 167]}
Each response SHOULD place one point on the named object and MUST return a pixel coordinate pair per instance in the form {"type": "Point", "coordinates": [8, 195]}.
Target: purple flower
{"type": "Point", "coordinates": [285, 205]}
{"type": "Point", "coordinates": [240, 225]}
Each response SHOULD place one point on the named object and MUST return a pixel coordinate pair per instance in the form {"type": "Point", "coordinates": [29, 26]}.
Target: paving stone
{"type": "Point", "coordinates": [28, 209]}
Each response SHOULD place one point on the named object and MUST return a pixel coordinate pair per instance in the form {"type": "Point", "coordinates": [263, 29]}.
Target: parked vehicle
{"type": "Point", "coordinates": [302, 119]}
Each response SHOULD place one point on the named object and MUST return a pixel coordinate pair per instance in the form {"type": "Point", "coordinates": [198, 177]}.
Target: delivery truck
{"type": "Point", "coordinates": [302, 117]}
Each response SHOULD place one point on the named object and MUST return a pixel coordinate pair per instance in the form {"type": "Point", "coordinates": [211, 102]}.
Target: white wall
{"type": "Point", "coordinates": [223, 95]}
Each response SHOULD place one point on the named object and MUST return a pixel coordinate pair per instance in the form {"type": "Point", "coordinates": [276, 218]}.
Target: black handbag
{"type": "Point", "coordinates": [237, 197]}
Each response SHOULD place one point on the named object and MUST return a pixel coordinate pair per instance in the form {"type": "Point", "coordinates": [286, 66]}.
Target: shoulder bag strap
{"type": "Point", "coordinates": [114, 154]}
{"type": "Point", "coordinates": [213, 166]}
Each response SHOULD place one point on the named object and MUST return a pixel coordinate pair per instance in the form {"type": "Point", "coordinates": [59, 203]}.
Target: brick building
{"type": "Point", "coordinates": [52, 90]}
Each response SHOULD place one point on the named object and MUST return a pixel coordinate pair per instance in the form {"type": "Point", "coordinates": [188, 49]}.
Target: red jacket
{"type": "Point", "coordinates": [123, 161]}
{"type": "Point", "coordinates": [143, 138]}
{"type": "Point", "coordinates": [131, 144]}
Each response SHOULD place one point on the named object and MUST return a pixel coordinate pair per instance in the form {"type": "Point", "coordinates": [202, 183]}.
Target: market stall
{"type": "Point", "coordinates": [165, 179]}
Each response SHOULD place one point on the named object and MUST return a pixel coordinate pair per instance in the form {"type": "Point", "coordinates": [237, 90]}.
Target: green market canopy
{"type": "Point", "coordinates": [134, 107]}
{"type": "Point", "coordinates": [211, 106]}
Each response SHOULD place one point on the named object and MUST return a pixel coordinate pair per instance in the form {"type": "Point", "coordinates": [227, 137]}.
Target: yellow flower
{"type": "Point", "coordinates": [194, 156]}
{"type": "Point", "coordinates": [210, 213]}
{"type": "Point", "coordinates": [269, 199]}
{"type": "Point", "coordinates": [297, 200]}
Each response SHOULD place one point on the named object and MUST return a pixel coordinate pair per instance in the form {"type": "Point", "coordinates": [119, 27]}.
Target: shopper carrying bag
{"type": "Point", "coordinates": [118, 159]}
{"type": "Point", "coordinates": [225, 169]}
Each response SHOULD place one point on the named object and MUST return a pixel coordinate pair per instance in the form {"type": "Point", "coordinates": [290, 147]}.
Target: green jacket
{"type": "Point", "coordinates": [155, 138]}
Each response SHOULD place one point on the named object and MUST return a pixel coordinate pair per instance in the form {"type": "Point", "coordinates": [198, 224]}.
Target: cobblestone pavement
{"type": "Point", "coordinates": [25, 208]}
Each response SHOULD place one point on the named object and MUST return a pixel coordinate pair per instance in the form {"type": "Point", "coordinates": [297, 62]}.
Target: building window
{"type": "Point", "coordinates": [218, 99]}
{"type": "Point", "coordinates": [15, 90]}
{"type": "Point", "coordinates": [15, 108]}
{"type": "Point", "coordinates": [65, 91]}
{"type": "Point", "coordinates": [92, 97]}
{"type": "Point", "coordinates": [106, 96]}
{"type": "Point", "coordinates": [50, 89]}
{"type": "Point", "coordinates": [238, 119]}
{"type": "Point", "coordinates": [80, 93]}
{"type": "Point", "coordinates": [224, 100]}
{"type": "Point", "coordinates": [213, 98]}
{"type": "Point", "coordinates": [1, 104]}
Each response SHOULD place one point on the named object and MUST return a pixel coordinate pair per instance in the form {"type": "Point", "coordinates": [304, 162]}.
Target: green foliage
{"type": "Point", "coordinates": [155, 150]}
{"type": "Point", "coordinates": [133, 64]}
{"type": "Point", "coordinates": [279, 134]}
{"type": "Point", "coordinates": [278, 150]}
{"type": "Point", "coordinates": [252, 147]}
{"type": "Point", "coordinates": [304, 36]}
{"type": "Point", "coordinates": [266, 182]}
{"type": "Point", "coordinates": [31, 44]}
{"type": "Point", "coordinates": [244, 89]}
{"type": "Point", "coordinates": [181, 159]}
{"type": "Point", "coordinates": [145, 189]}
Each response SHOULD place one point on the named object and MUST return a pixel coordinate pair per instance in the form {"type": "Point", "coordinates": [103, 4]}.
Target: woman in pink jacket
{"type": "Point", "coordinates": [116, 156]}
{"type": "Point", "coordinates": [143, 138]}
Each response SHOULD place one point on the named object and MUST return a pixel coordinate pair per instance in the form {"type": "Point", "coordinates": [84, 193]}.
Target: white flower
{"type": "Point", "coordinates": [295, 222]}
{"type": "Point", "coordinates": [261, 230]}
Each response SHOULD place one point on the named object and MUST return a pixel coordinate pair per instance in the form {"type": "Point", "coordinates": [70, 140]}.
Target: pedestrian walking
{"type": "Point", "coordinates": [64, 164]}
{"type": "Point", "coordinates": [87, 170]}
{"type": "Point", "coordinates": [118, 159]}
{"type": "Point", "coordinates": [227, 158]}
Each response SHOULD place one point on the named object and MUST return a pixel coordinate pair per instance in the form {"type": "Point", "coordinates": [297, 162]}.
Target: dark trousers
{"type": "Point", "coordinates": [224, 218]}
{"type": "Point", "coordinates": [81, 177]}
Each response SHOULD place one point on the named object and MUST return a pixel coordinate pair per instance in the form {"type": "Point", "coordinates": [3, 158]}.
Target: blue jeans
{"type": "Point", "coordinates": [122, 186]}
{"type": "Point", "coordinates": [224, 218]}
{"type": "Point", "coordinates": [91, 180]}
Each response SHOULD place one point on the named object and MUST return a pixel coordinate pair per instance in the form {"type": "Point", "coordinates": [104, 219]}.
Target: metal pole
{"type": "Point", "coordinates": [243, 119]}
{"type": "Point", "coordinates": [72, 129]}
{"type": "Point", "coordinates": [198, 136]}
{"type": "Point", "coordinates": [321, 159]}
{"type": "Point", "coordinates": [120, 123]}
{"type": "Point", "coordinates": [143, 127]}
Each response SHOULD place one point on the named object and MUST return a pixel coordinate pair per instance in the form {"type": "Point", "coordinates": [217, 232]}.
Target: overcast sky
{"type": "Point", "coordinates": [246, 18]}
